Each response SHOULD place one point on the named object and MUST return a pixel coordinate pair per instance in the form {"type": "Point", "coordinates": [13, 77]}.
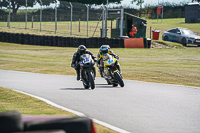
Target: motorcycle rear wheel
{"type": "Point", "coordinates": [119, 79]}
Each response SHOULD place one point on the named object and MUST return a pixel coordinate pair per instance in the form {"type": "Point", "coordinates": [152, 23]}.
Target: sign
{"type": "Point", "coordinates": [159, 10]}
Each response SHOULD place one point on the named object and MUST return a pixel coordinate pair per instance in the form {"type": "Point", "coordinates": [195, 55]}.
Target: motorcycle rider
{"type": "Point", "coordinates": [76, 58]}
{"type": "Point", "coordinates": [103, 50]}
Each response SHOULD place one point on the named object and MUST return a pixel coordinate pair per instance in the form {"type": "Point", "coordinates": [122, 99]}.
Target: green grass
{"type": "Point", "coordinates": [26, 105]}
{"type": "Point", "coordinates": [63, 28]}
{"type": "Point", "coordinates": [11, 100]}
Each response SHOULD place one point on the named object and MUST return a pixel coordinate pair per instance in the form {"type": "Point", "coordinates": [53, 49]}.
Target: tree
{"type": "Point", "coordinates": [196, 0]}
{"type": "Point", "coordinates": [139, 3]}
{"type": "Point", "coordinates": [16, 4]}
{"type": "Point", "coordinates": [98, 2]}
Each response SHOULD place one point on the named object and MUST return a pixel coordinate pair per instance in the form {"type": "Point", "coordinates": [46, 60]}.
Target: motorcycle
{"type": "Point", "coordinates": [87, 71]}
{"type": "Point", "coordinates": [111, 72]}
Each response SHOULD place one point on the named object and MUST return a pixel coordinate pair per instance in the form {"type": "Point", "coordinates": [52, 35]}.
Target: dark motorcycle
{"type": "Point", "coordinates": [87, 71]}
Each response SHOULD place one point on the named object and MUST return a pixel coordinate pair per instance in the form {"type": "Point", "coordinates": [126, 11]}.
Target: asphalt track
{"type": "Point", "coordinates": [139, 107]}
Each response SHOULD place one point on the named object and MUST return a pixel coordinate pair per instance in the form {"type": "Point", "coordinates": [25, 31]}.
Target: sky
{"type": "Point", "coordinates": [154, 2]}
{"type": "Point", "coordinates": [127, 3]}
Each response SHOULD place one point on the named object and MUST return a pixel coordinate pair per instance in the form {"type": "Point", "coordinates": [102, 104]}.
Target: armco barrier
{"type": "Point", "coordinates": [94, 42]}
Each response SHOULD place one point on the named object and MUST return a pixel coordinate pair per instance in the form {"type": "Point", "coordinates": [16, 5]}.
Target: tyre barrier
{"type": "Point", "coordinates": [93, 42]}
{"type": "Point", "coordinates": [55, 40]}
{"type": "Point", "coordinates": [67, 41]}
{"type": "Point", "coordinates": [50, 41]}
{"type": "Point", "coordinates": [12, 37]}
{"type": "Point", "coordinates": [59, 41]}
{"type": "Point", "coordinates": [42, 40]}
{"type": "Point", "coordinates": [26, 39]}
{"type": "Point", "coordinates": [35, 40]}
{"type": "Point", "coordinates": [16, 38]}
{"type": "Point", "coordinates": [21, 38]}
{"type": "Point", "coordinates": [7, 37]}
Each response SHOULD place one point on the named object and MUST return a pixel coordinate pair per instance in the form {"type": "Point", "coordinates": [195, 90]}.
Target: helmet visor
{"type": "Point", "coordinates": [82, 52]}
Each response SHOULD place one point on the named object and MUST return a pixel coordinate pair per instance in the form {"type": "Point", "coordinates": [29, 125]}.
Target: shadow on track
{"type": "Point", "coordinates": [103, 86]}
{"type": "Point", "coordinates": [96, 86]}
{"type": "Point", "coordinates": [73, 89]}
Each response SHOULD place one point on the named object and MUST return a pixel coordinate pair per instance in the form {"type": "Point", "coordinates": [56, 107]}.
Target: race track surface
{"type": "Point", "coordinates": [139, 107]}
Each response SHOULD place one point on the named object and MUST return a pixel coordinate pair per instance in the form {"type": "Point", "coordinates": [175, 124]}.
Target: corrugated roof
{"type": "Point", "coordinates": [134, 16]}
{"type": "Point", "coordinates": [193, 4]}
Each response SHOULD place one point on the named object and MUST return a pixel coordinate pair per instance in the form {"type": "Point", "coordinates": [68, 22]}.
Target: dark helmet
{"type": "Point", "coordinates": [81, 49]}
{"type": "Point", "coordinates": [104, 49]}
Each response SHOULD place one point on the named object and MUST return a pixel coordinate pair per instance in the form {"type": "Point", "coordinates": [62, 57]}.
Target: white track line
{"type": "Point", "coordinates": [116, 129]}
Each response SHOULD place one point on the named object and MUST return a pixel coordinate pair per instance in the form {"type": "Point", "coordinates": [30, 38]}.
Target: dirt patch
{"type": "Point", "coordinates": [160, 45]}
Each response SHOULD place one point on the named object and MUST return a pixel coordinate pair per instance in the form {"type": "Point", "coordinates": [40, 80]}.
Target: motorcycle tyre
{"type": "Point", "coordinates": [91, 80]}
{"type": "Point", "coordinates": [114, 84]}
{"type": "Point", "coordinates": [119, 79]}
{"type": "Point", "coordinates": [108, 81]}
{"type": "Point", "coordinates": [86, 86]}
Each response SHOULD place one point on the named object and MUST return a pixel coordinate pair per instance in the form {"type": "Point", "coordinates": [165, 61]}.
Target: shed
{"type": "Point", "coordinates": [129, 20]}
{"type": "Point", "coordinates": [192, 13]}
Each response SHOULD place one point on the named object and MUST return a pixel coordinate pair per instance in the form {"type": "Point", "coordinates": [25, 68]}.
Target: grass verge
{"type": "Point", "coordinates": [26, 105]}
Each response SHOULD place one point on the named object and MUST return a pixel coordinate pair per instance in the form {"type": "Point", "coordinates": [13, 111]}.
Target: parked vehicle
{"type": "Point", "coordinates": [181, 35]}
{"type": "Point", "coordinates": [111, 73]}
{"type": "Point", "coordinates": [87, 71]}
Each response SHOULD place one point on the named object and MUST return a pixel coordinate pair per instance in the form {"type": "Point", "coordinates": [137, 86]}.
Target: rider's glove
{"type": "Point", "coordinates": [117, 57]}
{"type": "Point", "coordinates": [73, 65]}
{"type": "Point", "coordinates": [95, 59]}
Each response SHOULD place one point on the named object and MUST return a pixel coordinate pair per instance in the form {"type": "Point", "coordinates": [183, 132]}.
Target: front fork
{"type": "Point", "coordinates": [84, 75]}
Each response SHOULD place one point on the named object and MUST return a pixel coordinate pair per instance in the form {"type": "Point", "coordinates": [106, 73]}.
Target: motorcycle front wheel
{"type": "Point", "coordinates": [91, 80]}
{"type": "Point", "coordinates": [119, 79]}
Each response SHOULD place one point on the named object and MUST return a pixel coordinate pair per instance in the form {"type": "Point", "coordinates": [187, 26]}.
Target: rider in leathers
{"type": "Point", "coordinates": [76, 58]}
{"type": "Point", "coordinates": [103, 50]}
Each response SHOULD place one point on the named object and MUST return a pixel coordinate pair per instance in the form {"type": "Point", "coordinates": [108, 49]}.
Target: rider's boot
{"type": "Point", "coordinates": [94, 72]}
{"type": "Point", "coordinates": [101, 71]}
{"type": "Point", "coordinates": [78, 74]}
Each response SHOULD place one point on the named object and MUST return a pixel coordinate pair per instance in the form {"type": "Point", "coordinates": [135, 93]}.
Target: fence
{"type": "Point", "coordinates": [44, 40]}
{"type": "Point", "coordinates": [61, 18]}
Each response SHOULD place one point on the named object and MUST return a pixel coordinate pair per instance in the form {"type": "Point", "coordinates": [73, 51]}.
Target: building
{"type": "Point", "coordinates": [192, 13]}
